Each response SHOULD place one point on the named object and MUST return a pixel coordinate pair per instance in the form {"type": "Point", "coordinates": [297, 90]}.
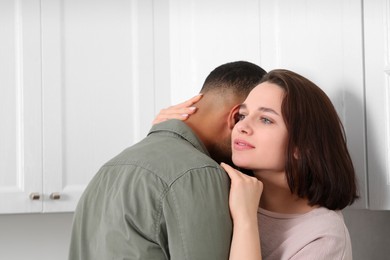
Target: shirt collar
{"type": "Point", "coordinates": [180, 128]}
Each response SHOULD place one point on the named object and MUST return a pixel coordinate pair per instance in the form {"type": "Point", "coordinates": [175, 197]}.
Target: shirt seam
{"type": "Point", "coordinates": [160, 210]}
{"type": "Point", "coordinates": [180, 226]}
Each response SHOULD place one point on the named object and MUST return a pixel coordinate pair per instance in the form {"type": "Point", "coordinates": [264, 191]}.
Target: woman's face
{"type": "Point", "coordinates": [259, 138]}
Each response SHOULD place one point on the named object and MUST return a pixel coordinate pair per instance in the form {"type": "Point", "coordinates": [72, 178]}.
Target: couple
{"type": "Point", "coordinates": [165, 198]}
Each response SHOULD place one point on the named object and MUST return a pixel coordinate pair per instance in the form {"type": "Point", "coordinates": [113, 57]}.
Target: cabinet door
{"type": "Point", "coordinates": [20, 107]}
{"type": "Point", "coordinates": [322, 40]}
{"type": "Point", "coordinates": [201, 36]}
{"type": "Point", "coordinates": [377, 67]}
{"type": "Point", "coordinates": [98, 89]}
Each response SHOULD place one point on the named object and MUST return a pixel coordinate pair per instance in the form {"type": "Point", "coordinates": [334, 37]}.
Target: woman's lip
{"type": "Point", "coordinates": [242, 145]}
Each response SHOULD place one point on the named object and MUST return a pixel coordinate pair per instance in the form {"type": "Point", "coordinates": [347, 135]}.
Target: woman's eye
{"type": "Point", "coordinates": [239, 117]}
{"type": "Point", "coordinates": [266, 120]}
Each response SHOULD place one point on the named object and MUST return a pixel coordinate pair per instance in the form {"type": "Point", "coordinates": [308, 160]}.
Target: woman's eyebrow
{"type": "Point", "coordinates": [261, 109]}
{"type": "Point", "coordinates": [267, 109]}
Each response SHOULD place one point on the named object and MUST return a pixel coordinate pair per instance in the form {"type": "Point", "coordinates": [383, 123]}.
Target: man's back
{"type": "Point", "coordinates": [163, 198]}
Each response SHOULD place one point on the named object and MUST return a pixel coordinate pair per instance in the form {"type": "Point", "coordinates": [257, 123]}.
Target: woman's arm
{"type": "Point", "coordinates": [180, 111]}
{"type": "Point", "coordinates": [244, 198]}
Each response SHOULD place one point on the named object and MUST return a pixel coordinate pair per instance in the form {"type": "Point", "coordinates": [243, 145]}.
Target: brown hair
{"type": "Point", "coordinates": [318, 164]}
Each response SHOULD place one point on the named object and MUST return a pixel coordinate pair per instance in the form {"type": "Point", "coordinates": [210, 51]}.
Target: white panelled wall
{"type": "Point", "coordinates": [82, 79]}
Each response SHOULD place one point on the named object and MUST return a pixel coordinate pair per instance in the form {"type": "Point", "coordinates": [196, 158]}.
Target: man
{"type": "Point", "coordinates": [165, 197]}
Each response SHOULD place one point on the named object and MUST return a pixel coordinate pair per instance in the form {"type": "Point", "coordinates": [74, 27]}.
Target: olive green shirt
{"type": "Point", "coordinates": [163, 198]}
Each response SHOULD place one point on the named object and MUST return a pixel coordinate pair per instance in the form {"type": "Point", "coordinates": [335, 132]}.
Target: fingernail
{"type": "Point", "coordinates": [192, 108]}
{"type": "Point", "coordinates": [184, 115]}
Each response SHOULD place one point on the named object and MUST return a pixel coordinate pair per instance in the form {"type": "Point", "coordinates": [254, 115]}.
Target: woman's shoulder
{"type": "Point", "coordinates": [326, 218]}
{"type": "Point", "coordinates": [319, 219]}
{"type": "Point", "coordinates": [318, 232]}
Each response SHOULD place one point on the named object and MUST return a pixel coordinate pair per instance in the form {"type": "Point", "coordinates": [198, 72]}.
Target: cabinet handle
{"type": "Point", "coordinates": [55, 196]}
{"type": "Point", "coordinates": [35, 196]}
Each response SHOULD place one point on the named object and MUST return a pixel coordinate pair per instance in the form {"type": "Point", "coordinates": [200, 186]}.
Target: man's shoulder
{"type": "Point", "coordinates": [167, 159]}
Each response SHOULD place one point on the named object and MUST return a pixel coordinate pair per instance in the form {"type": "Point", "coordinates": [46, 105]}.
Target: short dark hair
{"type": "Point", "coordinates": [318, 164]}
{"type": "Point", "coordinates": [239, 76]}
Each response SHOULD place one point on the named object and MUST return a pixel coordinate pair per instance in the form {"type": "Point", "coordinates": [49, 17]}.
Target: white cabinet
{"type": "Point", "coordinates": [82, 79]}
{"type": "Point", "coordinates": [322, 40]}
{"type": "Point", "coordinates": [20, 106]}
{"type": "Point", "coordinates": [377, 77]}
{"type": "Point", "coordinates": [94, 101]}
{"type": "Point", "coordinates": [205, 34]}
{"type": "Point", "coordinates": [77, 88]}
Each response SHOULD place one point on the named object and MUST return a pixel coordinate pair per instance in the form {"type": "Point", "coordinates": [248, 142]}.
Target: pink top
{"type": "Point", "coordinates": [318, 234]}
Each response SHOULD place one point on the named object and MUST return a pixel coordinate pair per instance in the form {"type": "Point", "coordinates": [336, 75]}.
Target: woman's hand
{"type": "Point", "coordinates": [245, 193]}
{"type": "Point", "coordinates": [180, 111]}
{"type": "Point", "coordinates": [244, 198]}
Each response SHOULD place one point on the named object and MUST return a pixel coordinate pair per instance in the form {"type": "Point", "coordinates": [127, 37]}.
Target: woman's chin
{"type": "Point", "coordinates": [241, 162]}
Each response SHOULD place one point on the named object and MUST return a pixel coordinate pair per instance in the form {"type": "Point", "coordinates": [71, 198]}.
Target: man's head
{"type": "Point", "coordinates": [238, 77]}
{"type": "Point", "coordinates": [223, 90]}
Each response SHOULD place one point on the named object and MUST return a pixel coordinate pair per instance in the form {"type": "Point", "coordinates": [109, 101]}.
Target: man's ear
{"type": "Point", "coordinates": [232, 119]}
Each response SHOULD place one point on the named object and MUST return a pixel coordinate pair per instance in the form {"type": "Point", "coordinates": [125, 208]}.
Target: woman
{"type": "Point", "coordinates": [288, 133]}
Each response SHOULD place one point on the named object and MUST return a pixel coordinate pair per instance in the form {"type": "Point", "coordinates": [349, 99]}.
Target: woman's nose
{"type": "Point", "coordinates": [243, 128]}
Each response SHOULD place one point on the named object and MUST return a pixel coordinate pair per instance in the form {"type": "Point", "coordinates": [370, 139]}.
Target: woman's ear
{"type": "Point", "coordinates": [232, 119]}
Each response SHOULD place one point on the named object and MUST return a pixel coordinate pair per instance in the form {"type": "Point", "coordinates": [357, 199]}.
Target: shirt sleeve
{"type": "Point", "coordinates": [195, 219]}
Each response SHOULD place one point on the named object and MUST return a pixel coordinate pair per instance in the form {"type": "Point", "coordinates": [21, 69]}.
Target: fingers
{"type": "Point", "coordinates": [244, 197]}
{"type": "Point", "coordinates": [238, 177]}
{"type": "Point", "coordinates": [233, 173]}
{"type": "Point", "coordinates": [190, 101]}
{"type": "Point", "coordinates": [170, 113]}
{"type": "Point", "coordinates": [180, 111]}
